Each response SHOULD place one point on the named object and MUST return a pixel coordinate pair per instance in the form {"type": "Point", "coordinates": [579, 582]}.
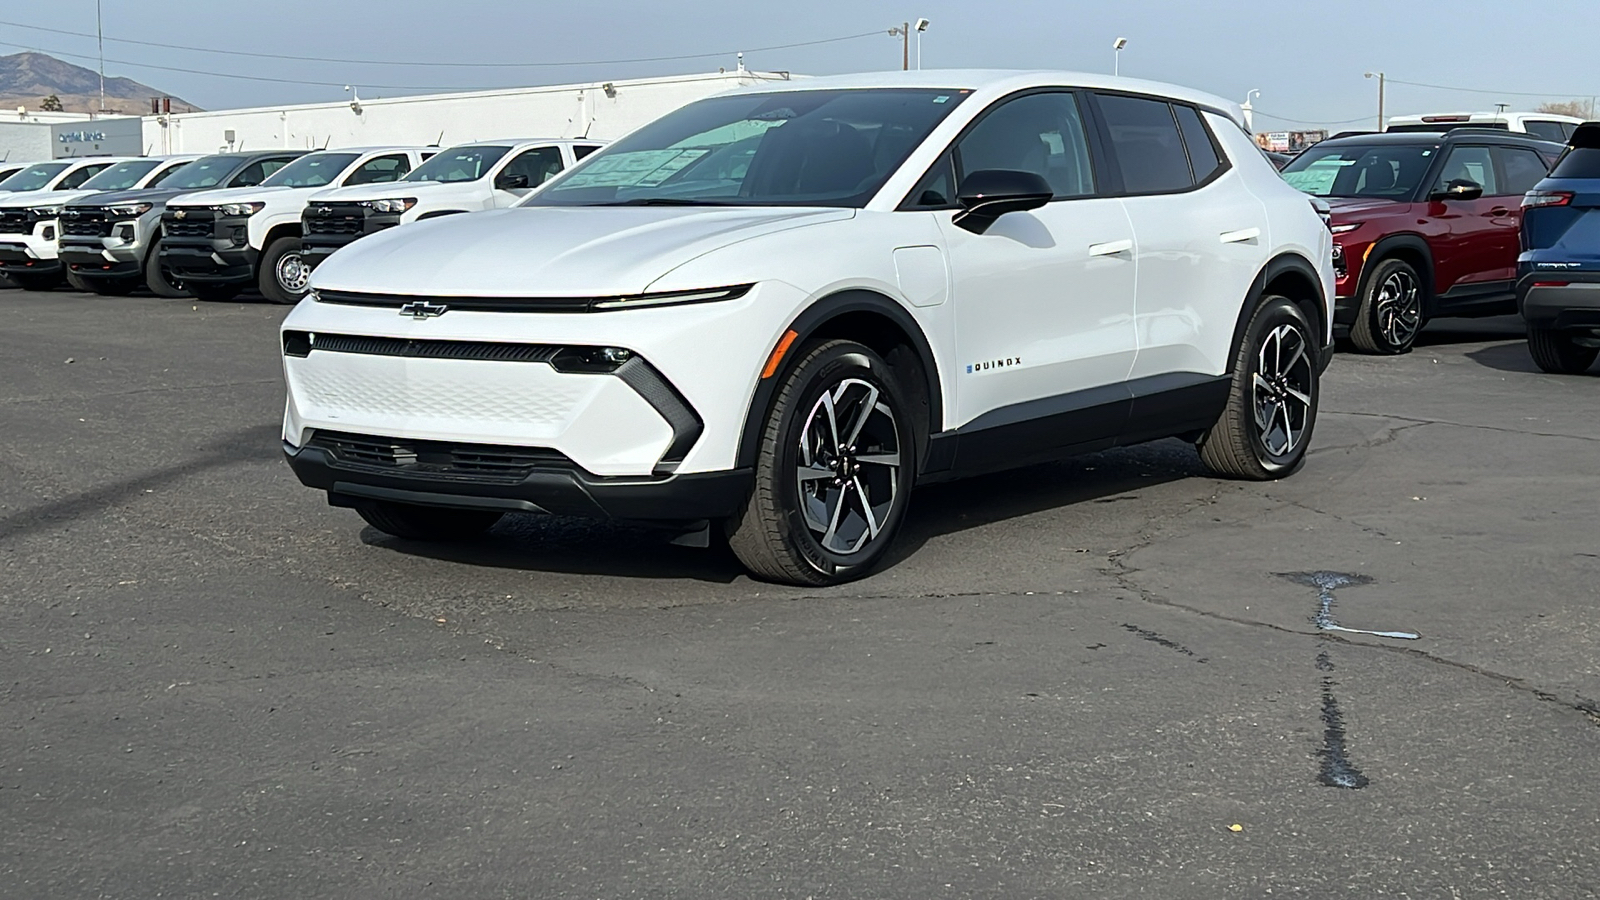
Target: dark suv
{"type": "Point", "coordinates": [1558, 285]}
{"type": "Point", "coordinates": [1425, 225]}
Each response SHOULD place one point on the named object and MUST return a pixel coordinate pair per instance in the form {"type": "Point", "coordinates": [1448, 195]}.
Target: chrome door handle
{"type": "Point", "coordinates": [1110, 248]}
{"type": "Point", "coordinates": [1242, 236]}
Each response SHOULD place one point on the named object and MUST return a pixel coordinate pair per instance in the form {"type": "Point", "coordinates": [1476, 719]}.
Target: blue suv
{"type": "Point", "coordinates": [1558, 273]}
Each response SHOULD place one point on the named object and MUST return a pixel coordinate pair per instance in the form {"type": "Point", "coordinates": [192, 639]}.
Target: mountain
{"type": "Point", "coordinates": [27, 78]}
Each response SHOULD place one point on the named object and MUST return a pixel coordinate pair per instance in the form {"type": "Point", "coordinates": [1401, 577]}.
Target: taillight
{"type": "Point", "coordinates": [1546, 198]}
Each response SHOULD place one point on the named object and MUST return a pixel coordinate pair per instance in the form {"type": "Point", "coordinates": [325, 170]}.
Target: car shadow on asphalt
{"type": "Point", "coordinates": [558, 544]}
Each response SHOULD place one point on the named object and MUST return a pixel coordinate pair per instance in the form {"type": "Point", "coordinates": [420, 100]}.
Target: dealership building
{"type": "Point", "coordinates": [604, 110]}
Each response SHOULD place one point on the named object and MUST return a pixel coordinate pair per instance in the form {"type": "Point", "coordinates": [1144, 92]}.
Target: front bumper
{"type": "Point", "coordinates": [217, 261]}
{"type": "Point", "coordinates": [1562, 301]}
{"type": "Point", "coordinates": [557, 490]}
{"type": "Point", "coordinates": [31, 253]}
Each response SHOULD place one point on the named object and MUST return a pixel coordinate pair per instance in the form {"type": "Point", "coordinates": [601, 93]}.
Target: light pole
{"type": "Point", "coordinates": [1116, 57]}
{"type": "Point", "coordinates": [100, 39]}
{"type": "Point", "coordinates": [903, 32]}
{"type": "Point", "coordinates": [1250, 110]}
{"type": "Point", "coordinates": [1380, 77]}
{"type": "Point", "coordinates": [922, 26]}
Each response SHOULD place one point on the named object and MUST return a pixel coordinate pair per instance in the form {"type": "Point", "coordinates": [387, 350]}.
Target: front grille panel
{"type": "Point", "coordinates": [187, 228]}
{"type": "Point", "coordinates": [439, 459]}
{"type": "Point", "coordinates": [334, 219]}
{"type": "Point", "coordinates": [487, 351]}
{"type": "Point", "coordinates": [86, 223]}
{"type": "Point", "coordinates": [14, 221]}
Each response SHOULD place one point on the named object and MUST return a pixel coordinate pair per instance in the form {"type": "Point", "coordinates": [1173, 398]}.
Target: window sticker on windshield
{"type": "Point", "coordinates": [942, 98]}
{"type": "Point", "coordinates": [644, 168]}
{"type": "Point", "coordinates": [774, 115]}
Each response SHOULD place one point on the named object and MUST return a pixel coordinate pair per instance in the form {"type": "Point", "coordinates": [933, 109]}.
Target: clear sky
{"type": "Point", "coordinates": [1306, 58]}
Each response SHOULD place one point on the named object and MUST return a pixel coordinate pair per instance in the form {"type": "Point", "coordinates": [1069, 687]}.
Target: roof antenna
{"type": "Point", "coordinates": [440, 141]}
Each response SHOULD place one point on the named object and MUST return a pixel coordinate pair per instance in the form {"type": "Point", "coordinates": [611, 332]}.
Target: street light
{"type": "Point", "coordinates": [922, 25]}
{"type": "Point", "coordinates": [1380, 76]}
{"type": "Point", "coordinates": [1250, 110]}
{"type": "Point", "coordinates": [903, 32]}
{"type": "Point", "coordinates": [1116, 64]}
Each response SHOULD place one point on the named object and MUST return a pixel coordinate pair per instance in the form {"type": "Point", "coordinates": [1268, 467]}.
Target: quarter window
{"type": "Point", "coordinates": [1469, 164]}
{"type": "Point", "coordinates": [1149, 150]}
{"type": "Point", "coordinates": [1039, 133]}
{"type": "Point", "coordinates": [1522, 169]}
{"type": "Point", "coordinates": [1197, 137]}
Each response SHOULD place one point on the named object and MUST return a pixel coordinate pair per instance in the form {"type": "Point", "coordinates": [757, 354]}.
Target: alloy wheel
{"type": "Point", "coordinates": [848, 471]}
{"type": "Point", "coordinates": [1281, 390]}
{"type": "Point", "coordinates": [1398, 307]}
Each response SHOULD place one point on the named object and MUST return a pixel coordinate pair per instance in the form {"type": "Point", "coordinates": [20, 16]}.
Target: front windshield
{"type": "Point", "coordinates": [315, 170]}
{"type": "Point", "coordinates": [34, 178]}
{"type": "Point", "coordinates": [1385, 172]}
{"type": "Point", "coordinates": [205, 172]}
{"type": "Point", "coordinates": [121, 176]}
{"type": "Point", "coordinates": [796, 148]}
{"type": "Point", "coordinates": [458, 164]}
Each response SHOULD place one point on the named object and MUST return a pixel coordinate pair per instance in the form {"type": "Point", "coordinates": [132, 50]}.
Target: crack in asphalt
{"type": "Point", "coordinates": [1418, 422]}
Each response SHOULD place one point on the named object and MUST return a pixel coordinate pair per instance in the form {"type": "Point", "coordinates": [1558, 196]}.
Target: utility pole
{"type": "Point", "coordinates": [100, 37]}
{"type": "Point", "coordinates": [903, 32]}
{"type": "Point", "coordinates": [1380, 76]}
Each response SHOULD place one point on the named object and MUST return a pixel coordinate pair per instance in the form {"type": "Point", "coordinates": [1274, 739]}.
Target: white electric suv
{"type": "Point", "coordinates": [776, 311]}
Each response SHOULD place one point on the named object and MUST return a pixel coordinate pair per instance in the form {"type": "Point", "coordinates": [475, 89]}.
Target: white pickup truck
{"type": "Point", "coordinates": [485, 175]}
{"type": "Point", "coordinates": [219, 242]}
{"type": "Point", "coordinates": [30, 227]}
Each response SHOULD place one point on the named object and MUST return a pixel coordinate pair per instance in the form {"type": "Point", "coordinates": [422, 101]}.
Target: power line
{"type": "Point", "coordinates": [1311, 122]}
{"type": "Point", "coordinates": [1442, 87]}
{"type": "Point", "coordinates": [450, 65]}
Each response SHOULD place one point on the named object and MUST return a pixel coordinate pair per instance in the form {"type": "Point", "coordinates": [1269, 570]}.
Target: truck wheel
{"type": "Point", "coordinates": [1272, 402]}
{"type": "Point", "coordinates": [426, 523]}
{"type": "Point", "coordinates": [155, 275]}
{"type": "Point", "coordinates": [284, 277]}
{"type": "Point", "coordinates": [1390, 316]}
{"type": "Point", "coordinates": [34, 281]}
{"type": "Point", "coordinates": [112, 287]}
{"type": "Point", "coordinates": [78, 282]}
{"type": "Point", "coordinates": [834, 472]}
{"type": "Point", "coordinates": [214, 293]}
{"type": "Point", "coordinates": [1555, 352]}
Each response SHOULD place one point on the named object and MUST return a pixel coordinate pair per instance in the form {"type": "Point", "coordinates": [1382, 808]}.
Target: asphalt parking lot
{"type": "Point", "coordinates": [1101, 677]}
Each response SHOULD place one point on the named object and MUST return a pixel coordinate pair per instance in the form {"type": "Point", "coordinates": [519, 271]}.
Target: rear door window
{"type": "Point", "coordinates": [1520, 169]}
{"type": "Point", "coordinates": [1148, 147]}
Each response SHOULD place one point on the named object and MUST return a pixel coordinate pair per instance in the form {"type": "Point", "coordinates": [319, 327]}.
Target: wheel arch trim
{"type": "Point", "coordinates": [1292, 264]}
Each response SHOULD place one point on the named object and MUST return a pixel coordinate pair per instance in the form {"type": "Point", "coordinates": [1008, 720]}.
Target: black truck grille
{"type": "Point", "coordinates": [14, 221]}
{"type": "Point", "coordinates": [86, 223]}
{"type": "Point", "coordinates": [186, 227]}
{"type": "Point", "coordinates": [334, 218]}
{"type": "Point", "coordinates": [438, 459]}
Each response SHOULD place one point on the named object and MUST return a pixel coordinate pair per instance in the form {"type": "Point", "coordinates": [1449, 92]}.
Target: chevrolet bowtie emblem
{"type": "Point", "coordinates": [422, 309]}
{"type": "Point", "coordinates": [324, 210]}
{"type": "Point", "coordinates": [181, 214]}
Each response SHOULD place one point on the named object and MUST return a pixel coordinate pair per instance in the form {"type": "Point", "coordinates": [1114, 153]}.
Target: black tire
{"type": "Point", "coordinates": [284, 277]}
{"type": "Point", "coordinates": [1240, 444]}
{"type": "Point", "coordinates": [214, 293]}
{"type": "Point", "coordinates": [155, 275]}
{"type": "Point", "coordinates": [37, 281]}
{"type": "Point", "coordinates": [1555, 352]}
{"type": "Point", "coordinates": [77, 282]}
{"type": "Point", "coordinates": [780, 534]}
{"type": "Point", "coordinates": [113, 287]}
{"type": "Point", "coordinates": [427, 523]}
{"type": "Point", "coordinates": [1392, 310]}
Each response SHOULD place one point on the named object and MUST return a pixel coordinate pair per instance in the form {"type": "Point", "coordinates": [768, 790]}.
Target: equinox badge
{"type": "Point", "coordinates": [422, 309]}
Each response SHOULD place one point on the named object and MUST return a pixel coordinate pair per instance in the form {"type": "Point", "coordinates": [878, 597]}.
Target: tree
{"type": "Point", "coordinates": [1578, 109]}
{"type": "Point", "coordinates": [51, 103]}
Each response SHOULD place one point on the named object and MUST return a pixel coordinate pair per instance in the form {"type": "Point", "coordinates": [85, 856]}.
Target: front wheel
{"type": "Point", "coordinates": [427, 523]}
{"type": "Point", "coordinates": [1555, 352]}
{"type": "Point", "coordinates": [834, 472]}
{"type": "Point", "coordinates": [1390, 316]}
{"type": "Point", "coordinates": [1272, 400]}
{"type": "Point", "coordinates": [284, 277]}
{"type": "Point", "coordinates": [157, 278]}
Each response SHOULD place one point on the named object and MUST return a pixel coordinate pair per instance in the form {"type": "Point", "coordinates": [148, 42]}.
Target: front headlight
{"type": "Point", "coordinates": [673, 298]}
{"type": "Point", "coordinates": [40, 213]}
{"type": "Point", "coordinates": [238, 209]}
{"type": "Point", "coordinates": [131, 209]}
{"type": "Point", "coordinates": [393, 205]}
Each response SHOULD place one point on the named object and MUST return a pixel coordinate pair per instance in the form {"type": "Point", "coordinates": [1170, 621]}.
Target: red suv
{"type": "Point", "coordinates": [1425, 225]}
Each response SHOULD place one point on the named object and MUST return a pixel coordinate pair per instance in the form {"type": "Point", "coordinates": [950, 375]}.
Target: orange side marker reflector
{"type": "Point", "coordinates": [776, 358]}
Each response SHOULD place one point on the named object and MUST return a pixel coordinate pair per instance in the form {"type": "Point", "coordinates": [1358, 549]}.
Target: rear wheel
{"type": "Point", "coordinates": [834, 471]}
{"type": "Point", "coordinates": [427, 523]}
{"type": "Point", "coordinates": [284, 277]}
{"type": "Point", "coordinates": [1555, 352]}
{"type": "Point", "coordinates": [1272, 402]}
{"type": "Point", "coordinates": [1390, 316]}
{"type": "Point", "coordinates": [157, 278]}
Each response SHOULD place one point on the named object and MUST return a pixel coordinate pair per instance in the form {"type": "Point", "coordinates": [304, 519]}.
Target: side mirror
{"type": "Point", "coordinates": [1459, 189]}
{"type": "Point", "coordinates": [988, 194]}
{"type": "Point", "coordinates": [511, 181]}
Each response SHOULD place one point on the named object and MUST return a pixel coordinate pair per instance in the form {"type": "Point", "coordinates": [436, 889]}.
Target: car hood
{"type": "Point", "coordinates": [215, 196]}
{"type": "Point", "coordinates": [113, 198]}
{"type": "Point", "coordinates": [15, 199]}
{"type": "Point", "coordinates": [388, 189]}
{"type": "Point", "coordinates": [1351, 207]}
{"type": "Point", "coordinates": [550, 250]}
